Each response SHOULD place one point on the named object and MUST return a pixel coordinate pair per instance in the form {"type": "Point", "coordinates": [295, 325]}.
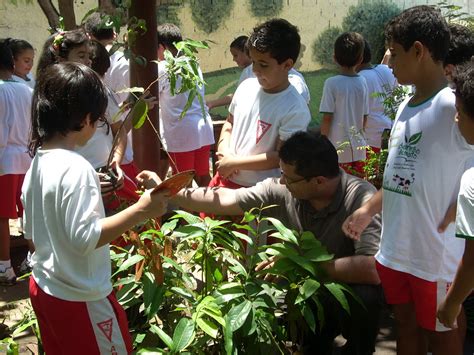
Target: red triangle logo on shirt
{"type": "Point", "coordinates": [262, 128]}
{"type": "Point", "coordinates": [106, 328]}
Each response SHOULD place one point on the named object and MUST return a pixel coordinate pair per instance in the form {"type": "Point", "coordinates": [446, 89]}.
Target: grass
{"type": "Point", "coordinates": [218, 79]}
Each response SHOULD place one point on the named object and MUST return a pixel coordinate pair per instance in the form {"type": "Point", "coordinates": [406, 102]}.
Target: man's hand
{"type": "Point", "coordinates": [226, 164]}
{"type": "Point", "coordinates": [448, 313]}
{"type": "Point", "coordinates": [109, 184]}
{"type": "Point", "coordinates": [356, 223]}
{"type": "Point", "coordinates": [147, 179]}
{"type": "Point", "coordinates": [449, 217]}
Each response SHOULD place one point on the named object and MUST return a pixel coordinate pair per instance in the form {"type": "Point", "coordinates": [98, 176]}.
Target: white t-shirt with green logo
{"type": "Point", "coordinates": [427, 157]}
{"type": "Point", "coordinates": [465, 210]}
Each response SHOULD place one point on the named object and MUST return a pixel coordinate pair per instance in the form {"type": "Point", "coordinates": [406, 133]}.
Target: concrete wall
{"type": "Point", "coordinates": [311, 16]}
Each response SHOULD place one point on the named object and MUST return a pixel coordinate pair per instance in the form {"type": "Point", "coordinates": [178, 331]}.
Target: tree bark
{"type": "Point", "coordinates": [51, 13]}
{"type": "Point", "coordinates": [146, 145]}
{"type": "Point", "coordinates": [66, 9]}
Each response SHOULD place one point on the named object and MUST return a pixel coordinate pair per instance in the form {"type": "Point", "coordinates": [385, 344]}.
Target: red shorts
{"type": "Point", "coordinates": [218, 181]}
{"type": "Point", "coordinates": [10, 190]}
{"type": "Point", "coordinates": [355, 168]}
{"type": "Point", "coordinates": [130, 170]}
{"type": "Point", "coordinates": [94, 327]}
{"type": "Point", "coordinates": [402, 288]}
{"type": "Point", "coordinates": [197, 160]}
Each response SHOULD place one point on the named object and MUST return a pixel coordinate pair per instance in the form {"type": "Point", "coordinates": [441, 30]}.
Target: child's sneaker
{"type": "Point", "coordinates": [7, 276]}
{"type": "Point", "coordinates": [25, 266]}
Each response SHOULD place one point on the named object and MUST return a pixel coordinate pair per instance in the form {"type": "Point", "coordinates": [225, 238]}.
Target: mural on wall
{"type": "Point", "coordinates": [209, 15]}
{"type": "Point", "coordinates": [266, 8]}
{"type": "Point", "coordinates": [168, 13]}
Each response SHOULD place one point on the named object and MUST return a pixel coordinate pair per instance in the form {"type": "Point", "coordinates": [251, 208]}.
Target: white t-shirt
{"type": "Point", "coordinates": [295, 77]}
{"type": "Point", "coordinates": [379, 79]}
{"type": "Point", "coordinates": [260, 119]}
{"type": "Point", "coordinates": [427, 157]}
{"type": "Point", "coordinates": [63, 212]}
{"type": "Point", "coordinates": [15, 127]}
{"type": "Point", "coordinates": [347, 99]}
{"type": "Point", "coordinates": [190, 133]}
{"type": "Point", "coordinates": [465, 206]}
{"type": "Point", "coordinates": [31, 82]}
{"type": "Point", "coordinates": [98, 148]}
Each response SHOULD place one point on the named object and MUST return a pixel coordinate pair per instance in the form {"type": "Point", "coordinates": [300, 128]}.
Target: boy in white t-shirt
{"type": "Point", "coordinates": [70, 288]}
{"type": "Point", "coordinates": [427, 155]}
{"type": "Point", "coordinates": [463, 285]}
{"type": "Point", "coordinates": [265, 110]}
{"type": "Point", "coordinates": [345, 104]}
{"type": "Point", "coordinates": [15, 123]}
{"type": "Point", "coordinates": [379, 79]}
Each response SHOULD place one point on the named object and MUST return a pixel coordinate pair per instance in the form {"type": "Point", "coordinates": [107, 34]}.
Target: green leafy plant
{"type": "Point", "coordinates": [455, 13]}
{"type": "Point", "coordinates": [208, 15]}
{"type": "Point", "coordinates": [28, 322]}
{"type": "Point", "coordinates": [323, 46]}
{"type": "Point", "coordinates": [369, 19]}
{"type": "Point", "coordinates": [266, 8]}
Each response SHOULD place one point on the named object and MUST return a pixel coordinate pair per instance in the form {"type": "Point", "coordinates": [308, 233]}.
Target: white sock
{"type": "Point", "coordinates": [5, 263]}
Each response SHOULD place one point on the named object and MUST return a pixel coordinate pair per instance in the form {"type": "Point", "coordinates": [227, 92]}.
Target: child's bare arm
{"type": "Point", "coordinates": [149, 206]}
{"type": "Point", "coordinates": [118, 129]}
{"type": "Point", "coordinates": [226, 132]}
{"type": "Point", "coordinates": [462, 286]}
{"type": "Point", "coordinates": [221, 101]}
{"type": "Point", "coordinates": [326, 123]}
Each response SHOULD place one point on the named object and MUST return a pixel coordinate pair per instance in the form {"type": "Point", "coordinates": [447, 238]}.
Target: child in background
{"type": "Point", "coordinates": [265, 110]}
{"type": "Point", "coordinates": [450, 308]}
{"type": "Point", "coordinates": [15, 123]}
{"type": "Point", "coordinates": [187, 140]}
{"type": "Point", "coordinates": [242, 59]}
{"type": "Point", "coordinates": [379, 79]}
{"type": "Point", "coordinates": [24, 56]}
{"type": "Point", "coordinates": [345, 104]}
{"type": "Point", "coordinates": [461, 48]}
{"type": "Point", "coordinates": [426, 159]}
{"type": "Point", "coordinates": [70, 287]}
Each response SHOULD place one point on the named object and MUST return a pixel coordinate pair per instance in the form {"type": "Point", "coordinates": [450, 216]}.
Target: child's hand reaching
{"type": "Point", "coordinates": [147, 179]}
{"type": "Point", "coordinates": [225, 164]}
{"type": "Point", "coordinates": [448, 313]}
{"type": "Point", "coordinates": [356, 223]}
{"type": "Point", "coordinates": [153, 205]}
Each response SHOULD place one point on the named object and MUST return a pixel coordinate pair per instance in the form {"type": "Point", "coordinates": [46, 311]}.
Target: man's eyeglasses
{"type": "Point", "coordinates": [289, 181]}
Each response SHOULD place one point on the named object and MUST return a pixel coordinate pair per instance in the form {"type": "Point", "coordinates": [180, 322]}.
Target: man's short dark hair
{"type": "Point", "coordinates": [424, 24]}
{"type": "Point", "coordinates": [277, 37]}
{"type": "Point", "coordinates": [311, 153]}
{"type": "Point", "coordinates": [239, 43]}
{"type": "Point", "coordinates": [96, 26]}
{"type": "Point", "coordinates": [348, 49]}
{"type": "Point", "coordinates": [167, 35]}
{"type": "Point", "coordinates": [464, 81]}
{"type": "Point", "coordinates": [461, 45]}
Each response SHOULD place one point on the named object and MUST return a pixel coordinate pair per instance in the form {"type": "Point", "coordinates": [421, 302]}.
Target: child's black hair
{"type": "Point", "coordinates": [424, 24]}
{"type": "Point", "coordinates": [348, 49]}
{"type": "Point", "coordinates": [95, 25]}
{"type": "Point", "coordinates": [167, 35]}
{"type": "Point", "coordinates": [17, 46]}
{"type": "Point", "coordinates": [464, 81]}
{"type": "Point", "coordinates": [277, 37]}
{"type": "Point", "coordinates": [6, 57]}
{"type": "Point", "coordinates": [461, 45]}
{"type": "Point", "coordinates": [311, 153]}
{"type": "Point", "coordinates": [239, 43]}
{"type": "Point", "coordinates": [367, 55]}
{"type": "Point", "coordinates": [59, 45]}
{"type": "Point", "coordinates": [100, 58]}
{"type": "Point", "coordinates": [65, 95]}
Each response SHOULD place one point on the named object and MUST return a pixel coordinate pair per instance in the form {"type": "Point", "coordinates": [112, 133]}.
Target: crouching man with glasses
{"type": "Point", "coordinates": [313, 194]}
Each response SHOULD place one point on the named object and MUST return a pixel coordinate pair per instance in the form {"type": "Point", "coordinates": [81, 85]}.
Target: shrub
{"type": "Point", "coordinates": [369, 19]}
{"type": "Point", "coordinates": [266, 8]}
{"type": "Point", "coordinates": [323, 46]}
{"type": "Point", "coordinates": [209, 15]}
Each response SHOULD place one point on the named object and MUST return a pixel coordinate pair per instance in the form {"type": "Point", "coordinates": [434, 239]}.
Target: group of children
{"type": "Point", "coordinates": [72, 108]}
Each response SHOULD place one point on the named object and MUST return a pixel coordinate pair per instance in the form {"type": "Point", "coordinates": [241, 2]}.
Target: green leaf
{"type": "Point", "coordinates": [163, 336]}
{"type": "Point", "coordinates": [188, 217]}
{"type": "Point", "coordinates": [189, 102]}
{"type": "Point", "coordinates": [228, 340]}
{"type": "Point", "coordinates": [320, 311]}
{"type": "Point", "coordinates": [415, 138]}
{"type": "Point", "coordinates": [285, 233]}
{"type": "Point", "coordinates": [336, 291]}
{"type": "Point", "coordinates": [208, 327]}
{"type": "Point", "coordinates": [138, 113]}
{"type": "Point", "coordinates": [243, 236]}
{"type": "Point", "coordinates": [238, 314]}
{"type": "Point", "coordinates": [309, 317]}
{"type": "Point", "coordinates": [307, 290]}
{"type": "Point", "coordinates": [183, 334]}
{"type": "Point", "coordinates": [129, 262]}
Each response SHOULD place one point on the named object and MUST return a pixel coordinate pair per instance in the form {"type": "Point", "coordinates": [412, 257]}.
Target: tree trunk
{"type": "Point", "coordinates": [66, 9]}
{"type": "Point", "coordinates": [50, 12]}
{"type": "Point", "coordinates": [146, 145]}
